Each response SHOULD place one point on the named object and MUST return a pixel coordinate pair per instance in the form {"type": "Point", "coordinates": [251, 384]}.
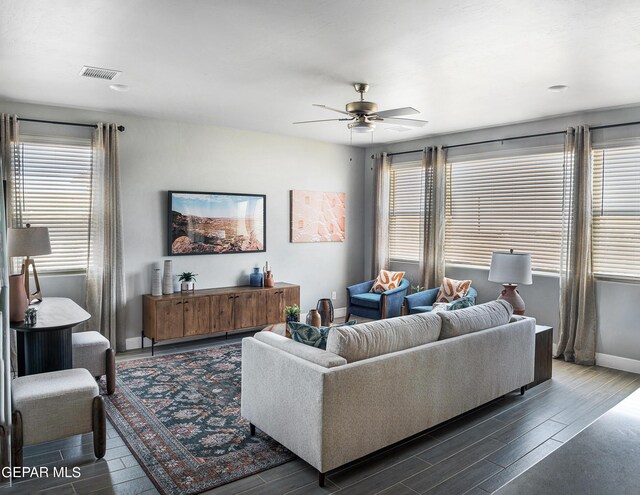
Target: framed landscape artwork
{"type": "Point", "coordinates": [318, 216]}
{"type": "Point", "coordinates": [216, 223]}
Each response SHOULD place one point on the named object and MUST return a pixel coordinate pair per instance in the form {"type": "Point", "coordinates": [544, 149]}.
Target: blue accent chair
{"type": "Point", "coordinates": [374, 306]}
{"type": "Point", "coordinates": [422, 302]}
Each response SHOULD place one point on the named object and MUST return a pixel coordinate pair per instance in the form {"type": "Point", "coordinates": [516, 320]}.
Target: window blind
{"type": "Point", "coordinates": [406, 212]}
{"type": "Point", "coordinates": [53, 189]}
{"type": "Point", "coordinates": [505, 203]}
{"type": "Point", "coordinates": [616, 212]}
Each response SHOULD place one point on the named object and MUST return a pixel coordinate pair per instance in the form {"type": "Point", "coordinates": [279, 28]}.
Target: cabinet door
{"type": "Point", "coordinates": [291, 296]}
{"type": "Point", "coordinates": [197, 315]}
{"type": "Point", "coordinates": [222, 312]}
{"type": "Point", "coordinates": [274, 306]}
{"type": "Point", "coordinates": [169, 319]}
{"type": "Point", "coordinates": [249, 309]}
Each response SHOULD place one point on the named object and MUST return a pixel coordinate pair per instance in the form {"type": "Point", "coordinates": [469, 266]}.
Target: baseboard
{"type": "Point", "coordinates": [613, 362]}
{"type": "Point", "coordinates": [135, 343]}
{"type": "Point", "coordinates": [618, 363]}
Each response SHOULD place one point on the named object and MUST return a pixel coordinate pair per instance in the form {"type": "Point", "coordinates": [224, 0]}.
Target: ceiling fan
{"type": "Point", "coordinates": [363, 115]}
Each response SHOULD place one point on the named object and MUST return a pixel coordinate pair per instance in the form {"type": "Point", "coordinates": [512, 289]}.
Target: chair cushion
{"type": "Point", "coordinates": [421, 309]}
{"type": "Point", "coordinates": [387, 280]}
{"type": "Point", "coordinates": [475, 318]}
{"type": "Point", "coordinates": [451, 289]}
{"type": "Point", "coordinates": [89, 352]}
{"type": "Point", "coordinates": [54, 405]}
{"type": "Point", "coordinates": [367, 300]}
{"type": "Point", "coordinates": [380, 337]}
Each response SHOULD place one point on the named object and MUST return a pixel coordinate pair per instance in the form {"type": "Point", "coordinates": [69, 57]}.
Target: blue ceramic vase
{"type": "Point", "coordinates": [255, 279]}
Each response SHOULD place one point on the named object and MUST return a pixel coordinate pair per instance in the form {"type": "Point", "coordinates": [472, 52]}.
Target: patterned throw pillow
{"type": "Point", "coordinates": [463, 302]}
{"type": "Point", "coordinates": [386, 281]}
{"type": "Point", "coordinates": [310, 335]}
{"type": "Point", "coordinates": [450, 290]}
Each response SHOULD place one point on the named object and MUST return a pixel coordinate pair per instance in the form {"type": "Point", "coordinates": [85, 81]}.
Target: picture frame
{"type": "Point", "coordinates": [216, 223]}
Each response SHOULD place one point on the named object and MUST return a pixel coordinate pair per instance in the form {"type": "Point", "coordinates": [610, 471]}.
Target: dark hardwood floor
{"type": "Point", "coordinates": [475, 454]}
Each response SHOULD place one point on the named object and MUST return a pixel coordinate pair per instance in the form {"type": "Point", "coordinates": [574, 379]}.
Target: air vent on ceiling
{"type": "Point", "coordinates": [99, 73]}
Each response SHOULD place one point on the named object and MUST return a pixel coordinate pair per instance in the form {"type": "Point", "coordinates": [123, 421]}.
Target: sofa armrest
{"type": "Point", "coordinates": [362, 288]}
{"type": "Point", "coordinates": [422, 298]}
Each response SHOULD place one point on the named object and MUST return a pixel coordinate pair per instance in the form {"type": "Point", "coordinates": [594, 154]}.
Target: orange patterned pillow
{"type": "Point", "coordinates": [450, 290]}
{"type": "Point", "coordinates": [387, 281]}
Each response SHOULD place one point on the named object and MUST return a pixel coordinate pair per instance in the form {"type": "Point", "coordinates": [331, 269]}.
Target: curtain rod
{"type": "Point", "coordinates": [77, 124]}
{"type": "Point", "coordinates": [594, 128]}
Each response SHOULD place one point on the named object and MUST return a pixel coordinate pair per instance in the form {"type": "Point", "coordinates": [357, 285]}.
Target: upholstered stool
{"type": "Point", "coordinates": [92, 351]}
{"type": "Point", "coordinates": [50, 406]}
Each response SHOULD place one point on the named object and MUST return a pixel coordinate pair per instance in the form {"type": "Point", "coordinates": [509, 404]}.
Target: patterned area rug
{"type": "Point", "coordinates": [180, 416]}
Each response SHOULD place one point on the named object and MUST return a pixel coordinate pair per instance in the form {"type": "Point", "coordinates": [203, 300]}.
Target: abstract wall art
{"type": "Point", "coordinates": [318, 216]}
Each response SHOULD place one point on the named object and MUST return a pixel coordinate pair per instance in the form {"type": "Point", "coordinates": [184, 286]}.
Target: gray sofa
{"type": "Point", "coordinates": [382, 381]}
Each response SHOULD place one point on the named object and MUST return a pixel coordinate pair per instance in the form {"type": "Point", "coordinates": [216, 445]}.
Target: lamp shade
{"type": "Point", "coordinates": [510, 268]}
{"type": "Point", "coordinates": [29, 241]}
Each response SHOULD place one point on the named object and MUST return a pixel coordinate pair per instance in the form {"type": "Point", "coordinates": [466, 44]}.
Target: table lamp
{"type": "Point", "coordinates": [29, 241]}
{"type": "Point", "coordinates": [511, 269]}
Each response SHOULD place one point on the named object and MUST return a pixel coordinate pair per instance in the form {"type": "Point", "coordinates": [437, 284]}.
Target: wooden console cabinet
{"type": "Point", "coordinates": [212, 311]}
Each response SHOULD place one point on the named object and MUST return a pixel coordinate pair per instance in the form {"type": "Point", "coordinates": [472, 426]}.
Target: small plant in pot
{"type": "Point", "coordinates": [187, 281]}
{"type": "Point", "coordinates": [292, 313]}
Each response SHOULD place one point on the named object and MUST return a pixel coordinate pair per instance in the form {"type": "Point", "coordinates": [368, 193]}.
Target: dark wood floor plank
{"type": "Point", "coordinates": [88, 485]}
{"type": "Point", "coordinates": [386, 478]}
{"type": "Point", "coordinates": [438, 473]}
{"type": "Point", "coordinates": [397, 489]}
{"type": "Point", "coordinates": [510, 453]}
{"type": "Point", "coordinates": [238, 486]}
{"type": "Point", "coordinates": [313, 489]}
{"type": "Point", "coordinates": [283, 470]}
{"type": "Point", "coordinates": [287, 484]}
{"type": "Point", "coordinates": [467, 479]}
{"type": "Point", "coordinates": [59, 490]}
{"type": "Point", "coordinates": [520, 466]}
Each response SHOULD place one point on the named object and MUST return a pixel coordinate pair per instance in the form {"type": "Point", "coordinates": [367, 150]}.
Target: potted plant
{"type": "Point", "coordinates": [292, 313]}
{"type": "Point", "coordinates": [416, 288]}
{"type": "Point", "coordinates": [187, 280]}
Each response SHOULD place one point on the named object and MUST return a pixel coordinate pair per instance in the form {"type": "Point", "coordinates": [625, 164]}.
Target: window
{"type": "Point", "coordinates": [406, 200]}
{"type": "Point", "coordinates": [53, 189]}
{"type": "Point", "coordinates": [505, 203]}
{"type": "Point", "coordinates": [616, 211]}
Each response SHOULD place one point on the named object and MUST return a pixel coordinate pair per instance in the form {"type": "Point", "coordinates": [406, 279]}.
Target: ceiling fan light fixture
{"type": "Point", "coordinates": [362, 127]}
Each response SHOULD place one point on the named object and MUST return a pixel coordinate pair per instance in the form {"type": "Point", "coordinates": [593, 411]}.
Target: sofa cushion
{"type": "Point", "coordinates": [475, 318]}
{"type": "Point", "coordinates": [367, 300]}
{"type": "Point", "coordinates": [387, 280]}
{"type": "Point", "coordinates": [306, 352]}
{"type": "Point", "coordinates": [379, 337]}
{"type": "Point", "coordinates": [451, 289]}
{"type": "Point", "coordinates": [310, 335]}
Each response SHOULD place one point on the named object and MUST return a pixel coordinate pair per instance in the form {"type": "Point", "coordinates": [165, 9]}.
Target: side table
{"type": "Point", "coordinates": [544, 350]}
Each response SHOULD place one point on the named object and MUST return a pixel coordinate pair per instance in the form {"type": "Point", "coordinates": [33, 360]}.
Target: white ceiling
{"type": "Point", "coordinates": [260, 64]}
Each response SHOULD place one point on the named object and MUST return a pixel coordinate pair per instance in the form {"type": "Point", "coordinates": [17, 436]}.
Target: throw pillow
{"type": "Point", "coordinates": [450, 290]}
{"type": "Point", "coordinates": [386, 280]}
{"type": "Point", "coordinates": [463, 302]}
{"type": "Point", "coordinates": [310, 335]}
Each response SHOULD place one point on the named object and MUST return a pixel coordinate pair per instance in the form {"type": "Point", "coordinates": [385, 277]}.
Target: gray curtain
{"type": "Point", "coordinates": [432, 261]}
{"type": "Point", "coordinates": [578, 323]}
{"type": "Point", "coordinates": [105, 297]}
{"type": "Point", "coordinates": [9, 131]}
{"type": "Point", "coordinates": [380, 258]}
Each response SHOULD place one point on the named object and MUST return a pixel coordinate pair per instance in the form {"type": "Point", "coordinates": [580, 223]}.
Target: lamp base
{"type": "Point", "coordinates": [512, 296]}
{"type": "Point", "coordinates": [33, 296]}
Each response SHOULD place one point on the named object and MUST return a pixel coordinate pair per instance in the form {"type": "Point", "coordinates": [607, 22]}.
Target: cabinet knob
{"type": "Point", "coordinates": [186, 302]}
{"type": "Point", "coordinates": [179, 302]}
{"type": "Point", "coordinates": [230, 297]}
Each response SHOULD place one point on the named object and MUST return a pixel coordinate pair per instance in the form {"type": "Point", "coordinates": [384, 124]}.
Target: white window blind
{"type": "Point", "coordinates": [505, 203]}
{"type": "Point", "coordinates": [54, 190]}
{"type": "Point", "coordinates": [406, 211]}
{"type": "Point", "coordinates": [616, 212]}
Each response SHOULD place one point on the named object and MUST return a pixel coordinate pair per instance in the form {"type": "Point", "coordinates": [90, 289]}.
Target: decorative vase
{"type": "Point", "coordinates": [187, 286]}
{"type": "Point", "coordinates": [313, 318]}
{"type": "Point", "coordinates": [268, 279]}
{"type": "Point", "coordinates": [255, 278]}
{"type": "Point", "coordinates": [167, 279]}
{"type": "Point", "coordinates": [18, 300]}
{"type": "Point", "coordinates": [156, 282]}
{"type": "Point", "coordinates": [325, 308]}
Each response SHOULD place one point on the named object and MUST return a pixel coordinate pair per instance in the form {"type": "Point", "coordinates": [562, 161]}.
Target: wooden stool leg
{"type": "Point", "coordinates": [99, 428]}
{"type": "Point", "coordinates": [16, 439]}
{"type": "Point", "coordinates": [111, 371]}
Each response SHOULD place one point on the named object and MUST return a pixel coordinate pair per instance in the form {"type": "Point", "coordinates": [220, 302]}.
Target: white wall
{"type": "Point", "coordinates": [160, 155]}
{"type": "Point", "coordinates": [617, 303]}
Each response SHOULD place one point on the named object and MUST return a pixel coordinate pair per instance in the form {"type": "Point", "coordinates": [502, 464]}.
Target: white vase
{"type": "Point", "coordinates": [187, 286]}
{"type": "Point", "coordinates": [167, 278]}
{"type": "Point", "coordinates": [156, 282]}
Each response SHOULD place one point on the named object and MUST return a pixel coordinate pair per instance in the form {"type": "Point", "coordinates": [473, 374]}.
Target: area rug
{"type": "Point", "coordinates": [180, 416]}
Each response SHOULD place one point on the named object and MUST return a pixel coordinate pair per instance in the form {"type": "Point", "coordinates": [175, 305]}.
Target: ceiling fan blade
{"type": "Point", "coordinates": [396, 112]}
{"type": "Point", "coordinates": [329, 108]}
{"type": "Point", "coordinates": [323, 120]}
{"type": "Point", "coordinates": [409, 122]}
